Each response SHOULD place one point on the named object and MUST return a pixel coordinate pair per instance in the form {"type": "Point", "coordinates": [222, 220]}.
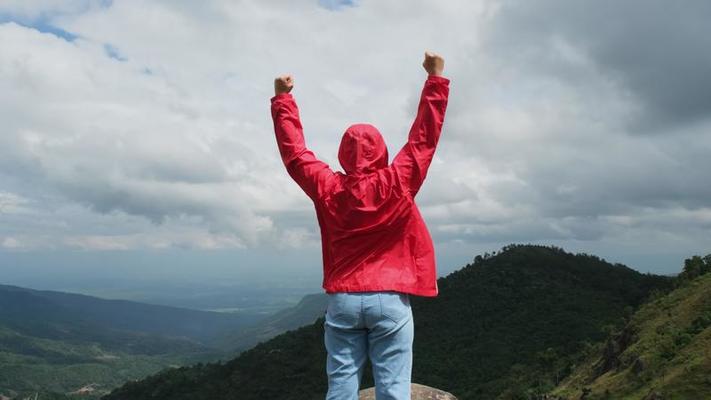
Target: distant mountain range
{"type": "Point", "coordinates": [512, 325]}
{"type": "Point", "coordinates": [60, 342]}
{"type": "Point", "coordinates": [59, 315]}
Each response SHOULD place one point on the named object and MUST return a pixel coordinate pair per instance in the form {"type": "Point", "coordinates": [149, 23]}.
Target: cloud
{"type": "Point", "coordinates": [654, 51]}
{"type": "Point", "coordinates": [39, 15]}
{"type": "Point", "coordinates": [574, 122]}
{"type": "Point", "coordinates": [337, 4]}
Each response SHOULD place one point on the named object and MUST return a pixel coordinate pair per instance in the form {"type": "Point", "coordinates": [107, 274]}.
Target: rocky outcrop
{"type": "Point", "coordinates": [615, 345]}
{"type": "Point", "coordinates": [418, 392]}
{"type": "Point", "coordinates": [654, 395]}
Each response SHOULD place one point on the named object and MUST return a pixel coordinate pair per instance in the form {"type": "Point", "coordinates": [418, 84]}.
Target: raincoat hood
{"type": "Point", "coordinates": [362, 150]}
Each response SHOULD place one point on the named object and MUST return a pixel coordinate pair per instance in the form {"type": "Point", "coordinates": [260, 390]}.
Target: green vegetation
{"type": "Point", "coordinates": [694, 267]}
{"type": "Point", "coordinates": [30, 364]}
{"type": "Point", "coordinates": [663, 350]}
{"type": "Point", "coordinates": [54, 343]}
{"type": "Point", "coordinates": [510, 325]}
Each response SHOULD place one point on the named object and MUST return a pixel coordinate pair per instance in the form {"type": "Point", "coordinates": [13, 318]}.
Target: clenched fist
{"type": "Point", "coordinates": [283, 84]}
{"type": "Point", "coordinates": [433, 64]}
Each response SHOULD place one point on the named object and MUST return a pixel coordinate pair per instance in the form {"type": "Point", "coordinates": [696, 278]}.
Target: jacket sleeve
{"type": "Point", "coordinates": [310, 173]}
{"type": "Point", "coordinates": [413, 160]}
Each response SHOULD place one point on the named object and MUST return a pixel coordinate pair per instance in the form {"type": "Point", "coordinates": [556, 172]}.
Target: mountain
{"type": "Point", "coordinates": [507, 325]}
{"type": "Point", "coordinates": [29, 310]}
{"type": "Point", "coordinates": [55, 341]}
{"type": "Point", "coordinates": [663, 351]}
{"type": "Point", "coordinates": [305, 312]}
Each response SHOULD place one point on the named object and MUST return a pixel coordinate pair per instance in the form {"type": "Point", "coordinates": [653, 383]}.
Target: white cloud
{"type": "Point", "coordinates": [11, 203]}
{"type": "Point", "coordinates": [172, 145]}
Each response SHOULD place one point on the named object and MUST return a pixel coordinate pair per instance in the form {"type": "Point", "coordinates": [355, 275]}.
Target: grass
{"type": "Point", "coordinates": [670, 352]}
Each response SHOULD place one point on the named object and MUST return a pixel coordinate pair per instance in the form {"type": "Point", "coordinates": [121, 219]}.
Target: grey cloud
{"type": "Point", "coordinates": [615, 181]}
{"type": "Point", "coordinates": [560, 93]}
{"type": "Point", "coordinates": [655, 49]}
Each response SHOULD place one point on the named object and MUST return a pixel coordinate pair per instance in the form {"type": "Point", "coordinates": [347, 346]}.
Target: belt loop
{"type": "Point", "coordinates": [362, 309]}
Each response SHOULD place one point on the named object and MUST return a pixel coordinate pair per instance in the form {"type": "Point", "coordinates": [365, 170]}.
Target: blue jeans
{"type": "Point", "coordinates": [378, 325]}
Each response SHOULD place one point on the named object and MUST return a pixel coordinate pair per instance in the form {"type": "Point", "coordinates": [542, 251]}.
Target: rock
{"type": "Point", "coordinates": [615, 345]}
{"type": "Point", "coordinates": [654, 396]}
{"type": "Point", "coordinates": [639, 366]}
{"type": "Point", "coordinates": [585, 393]}
{"type": "Point", "coordinates": [418, 392]}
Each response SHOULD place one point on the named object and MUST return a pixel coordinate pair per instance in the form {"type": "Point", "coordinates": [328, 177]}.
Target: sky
{"type": "Point", "coordinates": [136, 138]}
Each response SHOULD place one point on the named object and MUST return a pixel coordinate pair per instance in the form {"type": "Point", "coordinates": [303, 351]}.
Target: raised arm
{"type": "Point", "coordinates": [413, 160]}
{"type": "Point", "coordinates": [310, 173]}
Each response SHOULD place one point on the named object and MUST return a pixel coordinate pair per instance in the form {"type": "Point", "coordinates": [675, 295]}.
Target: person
{"type": "Point", "coordinates": [376, 248]}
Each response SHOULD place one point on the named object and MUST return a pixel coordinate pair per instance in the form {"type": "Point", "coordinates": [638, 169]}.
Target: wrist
{"type": "Point", "coordinates": [281, 95]}
{"type": "Point", "coordinates": [437, 78]}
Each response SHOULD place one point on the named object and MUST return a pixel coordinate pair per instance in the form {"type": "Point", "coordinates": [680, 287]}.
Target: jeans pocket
{"type": "Point", "coordinates": [340, 309]}
{"type": "Point", "coordinates": [394, 305]}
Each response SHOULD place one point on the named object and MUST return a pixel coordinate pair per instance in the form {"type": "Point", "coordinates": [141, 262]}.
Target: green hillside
{"type": "Point", "coordinates": [31, 364]}
{"type": "Point", "coordinates": [507, 326]}
{"type": "Point", "coordinates": [60, 342]}
{"type": "Point", "coordinates": [305, 312]}
{"type": "Point", "coordinates": [663, 352]}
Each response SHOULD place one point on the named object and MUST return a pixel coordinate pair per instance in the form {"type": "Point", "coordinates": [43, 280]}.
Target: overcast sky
{"type": "Point", "coordinates": [134, 131]}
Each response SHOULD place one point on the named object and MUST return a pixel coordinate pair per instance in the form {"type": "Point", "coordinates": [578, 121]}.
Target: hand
{"type": "Point", "coordinates": [433, 64]}
{"type": "Point", "coordinates": [283, 84]}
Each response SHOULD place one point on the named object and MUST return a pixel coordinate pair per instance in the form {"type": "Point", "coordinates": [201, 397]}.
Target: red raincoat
{"type": "Point", "coordinates": [372, 234]}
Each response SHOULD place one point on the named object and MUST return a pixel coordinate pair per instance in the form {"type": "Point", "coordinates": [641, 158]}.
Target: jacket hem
{"type": "Point", "coordinates": [438, 79]}
{"type": "Point", "coordinates": [374, 288]}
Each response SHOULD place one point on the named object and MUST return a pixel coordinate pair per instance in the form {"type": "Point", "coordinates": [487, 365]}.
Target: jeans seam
{"type": "Point", "coordinates": [362, 310]}
{"type": "Point", "coordinates": [383, 314]}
